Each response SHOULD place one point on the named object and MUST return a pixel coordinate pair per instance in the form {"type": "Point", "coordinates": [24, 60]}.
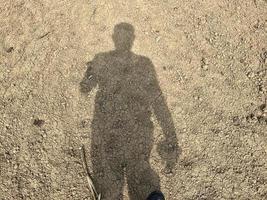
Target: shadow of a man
{"type": "Point", "coordinates": [122, 130]}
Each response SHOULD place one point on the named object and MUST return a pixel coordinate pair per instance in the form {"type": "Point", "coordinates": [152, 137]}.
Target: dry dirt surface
{"type": "Point", "coordinates": [184, 111]}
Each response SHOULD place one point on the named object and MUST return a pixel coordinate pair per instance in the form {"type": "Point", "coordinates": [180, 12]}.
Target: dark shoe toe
{"type": "Point", "coordinates": [156, 195]}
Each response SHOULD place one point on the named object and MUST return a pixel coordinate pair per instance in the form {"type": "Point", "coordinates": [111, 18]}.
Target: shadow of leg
{"type": "Point", "coordinates": [108, 175]}
{"type": "Point", "coordinates": [142, 180]}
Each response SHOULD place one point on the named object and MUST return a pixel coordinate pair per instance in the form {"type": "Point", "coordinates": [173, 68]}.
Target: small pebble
{"type": "Point", "coordinates": [10, 49]}
{"type": "Point", "coordinates": [158, 39]}
{"type": "Point", "coordinates": [251, 74]}
{"type": "Point", "coordinates": [258, 113]}
{"type": "Point", "coordinates": [205, 67]}
{"type": "Point", "coordinates": [260, 73]}
{"type": "Point", "coordinates": [236, 121]}
{"type": "Point", "coordinates": [38, 122]}
{"type": "Point", "coordinates": [16, 166]}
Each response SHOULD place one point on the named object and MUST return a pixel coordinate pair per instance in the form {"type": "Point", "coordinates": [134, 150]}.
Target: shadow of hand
{"type": "Point", "coordinates": [169, 151]}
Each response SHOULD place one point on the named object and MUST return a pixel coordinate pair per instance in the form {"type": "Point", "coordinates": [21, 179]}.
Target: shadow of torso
{"type": "Point", "coordinates": [126, 87]}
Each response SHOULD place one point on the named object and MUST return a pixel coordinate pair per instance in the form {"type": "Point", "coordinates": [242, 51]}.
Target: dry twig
{"type": "Point", "coordinates": [91, 186]}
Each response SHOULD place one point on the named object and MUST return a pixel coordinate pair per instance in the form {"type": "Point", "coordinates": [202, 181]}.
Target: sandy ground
{"type": "Point", "coordinates": [207, 58]}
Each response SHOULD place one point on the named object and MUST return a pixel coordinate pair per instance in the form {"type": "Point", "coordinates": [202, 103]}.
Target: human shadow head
{"type": "Point", "coordinates": [123, 36]}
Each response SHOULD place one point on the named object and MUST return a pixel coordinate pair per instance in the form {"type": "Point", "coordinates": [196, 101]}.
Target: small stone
{"type": "Point", "coordinates": [251, 118]}
{"type": "Point", "coordinates": [10, 49]}
{"type": "Point", "coordinates": [262, 89]}
{"type": "Point", "coordinates": [158, 39]}
{"type": "Point", "coordinates": [198, 98]}
{"type": "Point", "coordinates": [260, 73]}
{"type": "Point", "coordinates": [168, 171]}
{"type": "Point", "coordinates": [236, 121]}
{"type": "Point", "coordinates": [258, 113]}
{"type": "Point", "coordinates": [261, 119]}
{"type": "Point", "coordinates": [38, 122]}
{"type": "Point", "coordinates": [205, 67]}
{"type": "Point", "coordinates": [250, 74]}
{"type": "Point", "coordinates": [16, 166]}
